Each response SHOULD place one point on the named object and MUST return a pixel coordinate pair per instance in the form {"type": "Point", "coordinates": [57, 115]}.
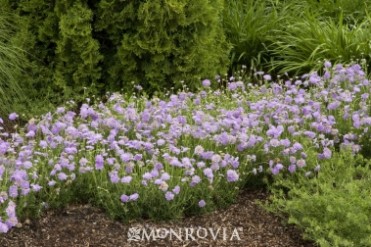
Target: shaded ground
{"type": "Point", "coordinates": [84, 225]}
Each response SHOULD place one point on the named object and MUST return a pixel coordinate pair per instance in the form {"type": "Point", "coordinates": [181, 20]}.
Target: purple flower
{"type": "Point", "coordinates": [206, 83]}
{"type": "Point", "coordinates": [327, 64]}
{"type": "Point", "coordinates": [43, 144]}
{"type": "Point", "coordinates": [126, 179]}
{"type": "Point", "coordinates": [232, 86]}
{"type": "Point", "coordinates": [13, 116]}
{"type": "Point", "coordinates": [36, 187]}
{"type": "Point", "coordinates": [62, 176]}
{"type": "Point", "coordinates": [30, 134]}
{"type": "Point", "coordinates": [161, 142]}
{"type": "Point", "coordinates": [169, 196]}
{"type": "Point", "coordinates": [124, 198]}
{"type": "Point", "coordinates": [267, 77]}
{"type": "Point", "coordinates": [327, 153]}
{"type": "Point", "coordinates": [27, 165]}
{"type": "Point", "coordinates": [207, 155]}
{"type": "Point", "coordinates": [114, 177]}
{"type": "Point", "coordinates": [13, 191]}
{"type": "Point", "coordinates": [208, 172]}
{"type": "Point", "coordinates": [310, 134]}
{"type": "Point", "coordinates": [314, 79]}
{"type": "Point", "coordinates": [297, 146]}
{"type": "Point", "coordinates": [275, 170]}
{"type": "Point", "coordinates": [10, 210]}
{"type": "Point", "coordinates": [138, 157]}
{"type": "Point", "coordinates": [3, 227]}
{"type": "Point", "coordinates": [292, 168]}
{"type": "Point", "coordinates": [126, 157]}
{"type": "Point", "coordinates": [285, 142]}
{"type": "Point", "coordinates": [200, 164]}
{"type": "Point", "coordinates": [99, 162]}
{"type": "Point", "coordinates": [60, 110]}
{"type": "Point", "coordinates": [195, 180]}
{"type": "Point", "coordinates": [19, 176]}
{"type": "Point", "coordinates": [147, 176]}
{"type": "Point", "coordinates": [165, 176]}
{"type": "Point", "coordinates": [51, 183]}
{"type": "Point", "coordinates": [232, 176]}
{"type": "Point", "coordinates": [333, 105]}
{"type": "Point", "coordinates": [176, 190]}
{"type": "Point", "coordinates": [154, 173]}
{"type": "Point", "coordinates": [201, 203]}
{"type": "Point", "coordinates": [134, 197]}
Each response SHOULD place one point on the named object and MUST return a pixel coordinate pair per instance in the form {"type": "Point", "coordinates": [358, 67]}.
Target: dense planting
{"type": "Point", "coordinates": [170, 143]}
{"type": "Point", "coordinates": [165, 158]}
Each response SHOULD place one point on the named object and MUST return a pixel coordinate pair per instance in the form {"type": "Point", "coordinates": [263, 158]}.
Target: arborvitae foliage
{"type": "Point", "coordinates": [162, 42]}
{"type": "Point", "coordinates": [104, 45]}
{"type": "Point", "coordinates": [77, 52]}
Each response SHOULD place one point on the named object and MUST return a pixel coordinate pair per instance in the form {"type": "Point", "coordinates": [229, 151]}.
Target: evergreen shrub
{"type": "Point", "coordinates": [79, 47]}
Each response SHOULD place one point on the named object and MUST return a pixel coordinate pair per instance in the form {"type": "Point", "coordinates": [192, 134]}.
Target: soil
{"type": "Point", "coordinates": [244, 224]}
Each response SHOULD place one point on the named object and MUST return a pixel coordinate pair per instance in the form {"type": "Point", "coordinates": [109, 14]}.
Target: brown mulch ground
{"type": "Point", "coordinates": [84, 225]}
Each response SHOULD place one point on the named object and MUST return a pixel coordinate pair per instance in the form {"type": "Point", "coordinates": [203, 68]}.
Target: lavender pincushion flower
{"type": "Point", "coordinates": [206, 83]}
{"type": "Point", "coordinates": [99, 162]}
{"type": "Point", "coordinates": [3, 227]}
{"type": "Point", "coordinates": [176, 190]}
{"type": "Point", "coordinates": [13, 116]}
{"type": "Point", "coordinates": [13, 191]}
{"type": "Point", "coordinates": [195, 180]}
{"type": "Point", "coordinates": [201, 203]}
{"type": "Point", "coordinates": [126, 179]}
{"type": "Point", "coordinates": [165, 176]}
{"type": "Point", "coordinates": [292, 168]}
{"type": "Point", "coordinates": [276, 169]}
{"type": "Point", "coordinates": [134, 197]}
{"type": "Point", "coordinates": [327, 64]}
{"type": "Point", "coordinates": [169, 196]}
{"type": "Point", "coordinates": [62, 176]}
{"type": "Point", "coordinates": [124, 198]}
{"type": "Point", "coordinates": [208, 172]}
{"type": "Point", "coordinates": [267, 77]}
{"type": "Point", "coordinates": [232, 176]}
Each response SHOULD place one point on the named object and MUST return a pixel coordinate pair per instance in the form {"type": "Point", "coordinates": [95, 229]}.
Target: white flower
{"type": "Point", "coordinates": [164, 186]}
{"type": "Point", "coordinates": [199, 149]}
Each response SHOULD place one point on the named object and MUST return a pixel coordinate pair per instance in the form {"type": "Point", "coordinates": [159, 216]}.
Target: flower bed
{"type": "Point", "coordinates": [190, 153]}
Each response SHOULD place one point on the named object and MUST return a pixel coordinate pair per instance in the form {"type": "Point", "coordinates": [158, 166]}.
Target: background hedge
{"type": "Point", "coordinates": [76, 48]}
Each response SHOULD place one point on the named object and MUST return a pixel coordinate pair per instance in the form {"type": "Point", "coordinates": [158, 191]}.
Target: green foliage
{"type": "Point", "coordinates": [11, 62]}
{"type": "Point", "coordinates": [248, 25]}
{"type": "Point", "coordinates": [305, 44]}
{"type": "Point", "coordinates": [333, 208]}
{"type": "Point", "coordinates": [160, 43]}
{"type": "Point", "coordinates": [353, 10]}
{"type": "Point", "coordinates": [77, 52]}
{"type": "Point", "coordinates": [36, 30]}
{"type": "Point", "coordinates": [91, 47]}
{"type": "Point", "coordinates": [296, 36]}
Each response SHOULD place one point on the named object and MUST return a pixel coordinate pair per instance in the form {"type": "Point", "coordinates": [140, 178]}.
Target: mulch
{"type": "Point", "coordinates": [244, 224]}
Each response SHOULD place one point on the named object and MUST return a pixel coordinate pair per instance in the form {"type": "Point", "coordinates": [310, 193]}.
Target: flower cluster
{"type": "Point", "coordinates": [192, 140]}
